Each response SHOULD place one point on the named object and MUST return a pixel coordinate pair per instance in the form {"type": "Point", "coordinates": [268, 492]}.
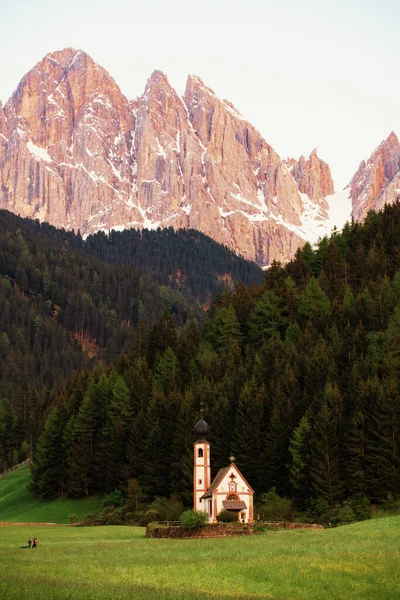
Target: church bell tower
{"type": "Point", "coordinates": [202, 468]}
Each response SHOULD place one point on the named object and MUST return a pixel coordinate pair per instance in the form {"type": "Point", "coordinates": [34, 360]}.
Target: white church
{"type": "Point", "coordinates": [228, 491]}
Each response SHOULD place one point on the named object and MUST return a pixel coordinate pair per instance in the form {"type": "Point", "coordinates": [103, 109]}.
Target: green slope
{"type": "Point", "coordinates": [18, 505]}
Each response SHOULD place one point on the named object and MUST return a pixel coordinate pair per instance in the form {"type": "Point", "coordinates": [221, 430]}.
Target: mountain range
{"type": "Point", "coordinates": [75, 152]}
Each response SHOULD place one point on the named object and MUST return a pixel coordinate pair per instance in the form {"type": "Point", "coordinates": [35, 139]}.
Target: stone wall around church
{"type": "Point", "coordinates": [207, 531]}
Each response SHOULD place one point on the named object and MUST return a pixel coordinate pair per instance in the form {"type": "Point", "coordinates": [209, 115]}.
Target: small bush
{"type": "Point", "coordinates": [109, 515]}
{"type": "Point", "coordinates": [72, 518]}
{"type": "Point", "coordinates": [361, 507]}
{"type": "Point", "coordinates": [149, 516]}
{"type": "Point", "coordinates": [89, 520]}
{"type": "Point", "coordinates": [273, 507]}
{"type": "Point", "coordinates": [392, 504]}
{"type": "Point", "coordinates": [193, 519]}
{"type": "Point", "coordinates": [227, 516]}
{"type": "Point", "coordinates": [260, 528]}
{"type": "Point", "coordinates": [115, 499]}
{"type": "Point", "coordinates": [164, 509]}
{"type": "Point", "coordinates": [345, 514]}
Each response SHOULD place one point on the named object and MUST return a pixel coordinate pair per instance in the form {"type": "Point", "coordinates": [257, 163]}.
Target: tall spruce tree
{"type": "Point", "coordinates": [325, 458]}
{"type": "Point", "coordinates": [249, 438]}
{"type": "Point", "coordinates": [267, 319]}
{"type": "Point", "coordinates": [114, 435]}
{"type": "Point", "coordinates": [48, 460]}
{"type": "Point", "coordinates": [300, 478]}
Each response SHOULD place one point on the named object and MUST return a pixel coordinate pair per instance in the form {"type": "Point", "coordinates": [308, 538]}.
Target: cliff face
{"type": "Point", "coordinates": [377, 181]}
{"type": "Point", "coordinates": [76, 153]}
{"type": "Point", "coordinates": [68, 160]}
{"type": "Point", "coordinates": [313, 176]}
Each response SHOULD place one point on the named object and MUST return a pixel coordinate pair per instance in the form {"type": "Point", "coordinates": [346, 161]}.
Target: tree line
{"type": "Point", "coordinates": [298, 377]}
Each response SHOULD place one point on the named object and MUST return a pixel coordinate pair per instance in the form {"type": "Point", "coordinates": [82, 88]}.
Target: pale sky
{"type": "Point", "coordinates": [307, 74]}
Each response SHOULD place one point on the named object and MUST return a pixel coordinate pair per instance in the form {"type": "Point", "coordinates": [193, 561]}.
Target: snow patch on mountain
{"type": "Point", "coordinates": [339, 209]}
{"type": "Point", "coordinates": [38, 152]}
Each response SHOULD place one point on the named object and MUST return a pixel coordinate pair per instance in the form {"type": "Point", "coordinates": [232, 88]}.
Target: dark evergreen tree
{"type": "Point", "coordinates": [47, 466]}
{"type": "Point", "coordinates": [249, 437]}
{"type": "Point", "coordinates": [267, 319]}
{"type": "Point", "coordinates": [299, 449]}
{"type": "Point", "coordinates": [325, 467]}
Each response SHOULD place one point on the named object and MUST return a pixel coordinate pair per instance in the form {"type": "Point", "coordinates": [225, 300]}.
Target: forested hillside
{"type": "Point", "coordinates": [185, 260]}
{"type": "Point", "coordinates": [62, 309]}
{"type": "Point", "coordinates": [298, 378]}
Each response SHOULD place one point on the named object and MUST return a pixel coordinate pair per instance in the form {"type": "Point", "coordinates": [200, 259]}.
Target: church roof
{"type": "Point", "coordinates": [219, 477]}
{"type": "Point", "coordinates": [217, 480]}
{"type": "Point", "coordinates": [234, 505]}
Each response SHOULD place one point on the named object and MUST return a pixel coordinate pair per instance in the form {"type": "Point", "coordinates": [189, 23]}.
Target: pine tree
{"type": "Point", "coordinates": [166, 373]}
{"type": "Point", "coordinates": [85, 459]}
{"type": "Point", "coordinates": [325, 441]}
{"type": "Point", "coordinates": [267, 319]}
{"type": "Point", "coordinates": [355, 450]}
{"type": "Point", "coordinates": [162, 336]}
{"type": "Point", "coordinates": [300, 463]}
{"type": "Point", "coordinates": [7, 433]}
{"type": "Point", "coordinates": [382, 442]}
{"type": "Point", "coordinates": [315, 305]}
{"type": "Point", "coordinates": [182, 450]}
{"type": "Point", "coordinates": [276, 453]}
{"type": "Point", "coordinates": [48, 460]}
{"type": "Point", "coordinates": [224, 331]}
{"type": "Point", "coordinates": [248, 440]}
{"type": "Point", "coordinates": [114, 435]}
{"type": "Point", "coordinates": [160, 419]}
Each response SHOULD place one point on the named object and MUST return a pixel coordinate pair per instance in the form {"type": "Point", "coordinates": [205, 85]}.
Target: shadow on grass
{"type": "Point", "coordinates": [116, 592]}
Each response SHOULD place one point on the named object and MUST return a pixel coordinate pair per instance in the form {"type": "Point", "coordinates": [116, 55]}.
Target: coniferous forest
{"type": "Point", "coordinates": [64, 307]}
{"type": "Point", "coordinates": [298, 377]}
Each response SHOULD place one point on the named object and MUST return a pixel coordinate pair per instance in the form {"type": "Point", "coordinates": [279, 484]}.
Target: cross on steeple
{"type": "Point", "coordinates": [232, 459]}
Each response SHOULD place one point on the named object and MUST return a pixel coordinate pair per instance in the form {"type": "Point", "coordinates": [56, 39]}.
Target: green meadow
{"type": "Point", "coordinates": [355, 562]}
{"type": "Point", "coordinates": [18, 505]}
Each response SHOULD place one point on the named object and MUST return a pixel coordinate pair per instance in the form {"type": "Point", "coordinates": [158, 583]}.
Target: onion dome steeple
{"type": "Point", "coordinates": [201, 429]}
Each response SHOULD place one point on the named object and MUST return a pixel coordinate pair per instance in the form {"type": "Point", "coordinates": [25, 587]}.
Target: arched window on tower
{"type": "Point", "coordinates": [200, 452]}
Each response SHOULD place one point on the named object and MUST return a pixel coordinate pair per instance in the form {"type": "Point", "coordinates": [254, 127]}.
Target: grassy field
{"type": "Point", "coordinates": [356, 562]}
{"type": "Point", "coordinates": [17, 504]}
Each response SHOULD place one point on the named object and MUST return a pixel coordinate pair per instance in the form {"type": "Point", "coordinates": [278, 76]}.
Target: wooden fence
{"type": "Point", "coordinates": [24, 462]}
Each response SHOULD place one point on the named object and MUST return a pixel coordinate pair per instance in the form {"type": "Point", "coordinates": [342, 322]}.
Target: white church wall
{"type": "Point", "coordinates": [233, 482]}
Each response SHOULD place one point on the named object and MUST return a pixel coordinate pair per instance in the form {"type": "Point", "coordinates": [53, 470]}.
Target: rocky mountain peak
{"type": "Point", "coordinates": [157, 91]}
{"type": "Point", "coordinates": [313, 176]}
{"type": "Point", "coordinates": [64, 57]}
{"type": "Point", "coordinates": [158, 77]}
{"type": "Point", "coordinates": [392, 139]}
{"type": "Point", "coordinates": [56, 94]}
{"type": "Point", "coordinates": [193, 81]}
{"type": "Point", "coordinates": [377, 180]}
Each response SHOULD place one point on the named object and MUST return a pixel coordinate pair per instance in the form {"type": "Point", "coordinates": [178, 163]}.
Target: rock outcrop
{"type": "Point", "coordinates": [313, 176]}
{"type": "Point", "coordinates": [76, 153]}
{"type": "Point", "coordinates": [377, 181]}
